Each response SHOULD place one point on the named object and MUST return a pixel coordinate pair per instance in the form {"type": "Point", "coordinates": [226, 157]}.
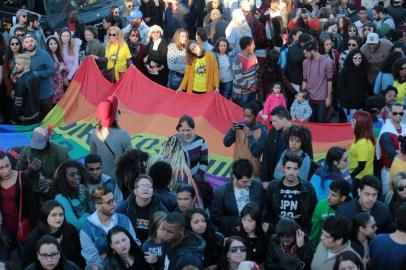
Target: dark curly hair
{"type": "Point", "coordinates": [300, 132]}
{"type": "Point", "coordinates": [349, 63]}
{"type": "Point", "coordinates": [60, 183]}
{"type": "Point", "coordinates": [128, 167]}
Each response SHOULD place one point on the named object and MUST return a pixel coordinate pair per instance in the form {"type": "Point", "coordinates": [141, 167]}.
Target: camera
{"type": "Point", "coordinates": [238, 126]}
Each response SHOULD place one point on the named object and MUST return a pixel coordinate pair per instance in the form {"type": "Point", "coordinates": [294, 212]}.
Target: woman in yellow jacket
{"type": "Point", "coordinates": [201, 73]}
{"type": "Point", "coordinates": [399, 73]}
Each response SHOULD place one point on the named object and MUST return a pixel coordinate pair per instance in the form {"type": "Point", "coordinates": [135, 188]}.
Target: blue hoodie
{"type": "Point", "coordinates": [188, 252]}
{"type": "Point", "coordinates": [44, 67]}
{"type": "Point", "coordinates": [93, 236]}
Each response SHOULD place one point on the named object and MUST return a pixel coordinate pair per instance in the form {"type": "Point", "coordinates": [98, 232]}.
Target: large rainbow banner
{"type": "Point", "coordinates": [149, 112]}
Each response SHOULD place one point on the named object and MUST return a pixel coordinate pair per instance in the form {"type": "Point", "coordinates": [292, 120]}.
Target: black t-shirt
{"type": "Point", "coordinates": [143, 214]}
{"type": "Point", "coordinates": [291, 202]}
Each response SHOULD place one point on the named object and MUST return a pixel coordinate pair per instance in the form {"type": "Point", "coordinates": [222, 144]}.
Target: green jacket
{"type": "Point", "coordinates": [51, 157]}
{"type": "Point", "coordinates": [320, 214]}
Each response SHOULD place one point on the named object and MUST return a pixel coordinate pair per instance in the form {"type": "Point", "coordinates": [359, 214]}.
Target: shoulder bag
{"type": "Point", "coordinates": [23, 229]}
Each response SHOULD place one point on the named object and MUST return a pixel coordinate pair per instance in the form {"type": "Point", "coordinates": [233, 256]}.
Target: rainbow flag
{"type": "Point", "coordinates": [149, 113]}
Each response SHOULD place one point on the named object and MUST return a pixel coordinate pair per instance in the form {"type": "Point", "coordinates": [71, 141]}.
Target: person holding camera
{"type": "Point", "coordinates": [303, 20]}
{"type": "Point", "coordinates": [249, 137]}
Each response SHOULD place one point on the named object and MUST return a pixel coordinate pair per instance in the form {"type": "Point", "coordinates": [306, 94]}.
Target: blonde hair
{"type": "Point", "coordinates": [155, 28]}
{"type": "Point", "coordinates": [120, 37]}
{"type": "Point", "coordinates": [176, 38]}
{"type": "Point", "coordinates": [24, 58]}
{"type": "Point", "coordinates": [172, 152]}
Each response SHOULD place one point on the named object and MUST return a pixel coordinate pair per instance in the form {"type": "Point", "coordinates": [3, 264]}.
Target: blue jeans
{"type": "Point", "coordinates": [349, 113]}
{"type": "Point", "coordinates": [226, 89]}
{"type": "Point", "coordinates": [174, 80]}
{"type": "Point", "coordinates": [319, 112]}
{"type": "Point", "coordinates": [245, 99]}
{"type": "Point", "coordinates": [5, 252]}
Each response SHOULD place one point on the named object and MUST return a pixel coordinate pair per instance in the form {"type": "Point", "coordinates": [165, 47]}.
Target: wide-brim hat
{"type": "Point", "coordinates": [106, 111]}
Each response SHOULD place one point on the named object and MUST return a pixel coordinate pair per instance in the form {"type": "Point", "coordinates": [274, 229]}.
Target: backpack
{"type": "Point", "coordinates": [283, 57]}
{"type": "Point", "coordinates": [314, 166]}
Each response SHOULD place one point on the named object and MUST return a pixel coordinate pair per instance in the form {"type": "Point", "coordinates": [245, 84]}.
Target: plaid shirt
{"type": "Point", "coordinates": [257, 29]}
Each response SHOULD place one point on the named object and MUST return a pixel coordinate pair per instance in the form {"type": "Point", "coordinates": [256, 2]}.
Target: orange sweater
{"type": "Point", "coordinates": [212, 74]}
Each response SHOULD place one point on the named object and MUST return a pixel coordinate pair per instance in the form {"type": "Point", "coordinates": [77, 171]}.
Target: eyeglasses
{"type": "Point", "coordinates": [352, 30]}
{"type": "Point", "coordinates": [130, 6]}
{"type": "Point", "coordinates": [14, 44]}
{"type": "Point", "coordinates": [134, 35]}
{"type": "Point", "coordinates": [397, 113]}
{"type": "Point", "coordinates": [357, 58]}
{"type": "Point", "coordinates": [144, 186]}
{"type": "Point", "coordinates": [20, 35]}
{"type": "Point", "coordinates": [352, 44]}
{"type": "Point", "coordinates": [401, 188]}
{"type": "Point", "coordinates": [112, 34]}
{"type": "Point", "coordinates": [238, 249]}
{"type": "Point", "coordinates": [49, 257]}
{"type": "Point", "coordinates": [403, 68]}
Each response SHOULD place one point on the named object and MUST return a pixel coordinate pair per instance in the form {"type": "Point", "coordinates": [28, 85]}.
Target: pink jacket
{"type": "Point", "coordinates": [272, 101]}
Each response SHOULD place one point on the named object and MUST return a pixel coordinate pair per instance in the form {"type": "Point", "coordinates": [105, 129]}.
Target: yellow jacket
{"type": "Point", "coordinates": [212, 74]}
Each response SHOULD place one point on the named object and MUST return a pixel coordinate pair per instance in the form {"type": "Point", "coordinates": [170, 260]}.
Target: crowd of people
{"type": "Point", "coordinates": [284, 63]}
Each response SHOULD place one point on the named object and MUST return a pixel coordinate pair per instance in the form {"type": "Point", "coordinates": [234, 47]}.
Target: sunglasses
{"type": "Point", "coordinates": [238, 249]}
{"type": "Point", "coordinates": [130, 6]}
{"type": "Point", "coordinates": [14, 44]}
{"type": "Point", "coordinates": [400, 189]}
{"type": "Point", "coordinates": [357, 58]}
{"type": "Point", "coordinates": [397, 113]}
{"type": "Point", "coordinates": [352, 45]}
{"type": "Point", "coordinates": [112, 34]}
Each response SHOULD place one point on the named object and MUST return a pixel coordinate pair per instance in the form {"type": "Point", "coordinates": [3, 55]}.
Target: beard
{"type": "Point", "coordinates": [31, 49]}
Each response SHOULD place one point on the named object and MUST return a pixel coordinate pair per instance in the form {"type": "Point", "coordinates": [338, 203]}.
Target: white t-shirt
{"type": "Point", "coordinates": [242, 197]}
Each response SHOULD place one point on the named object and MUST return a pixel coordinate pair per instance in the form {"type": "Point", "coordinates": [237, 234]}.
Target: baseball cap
{"type": "Point", "coordinates": [372, 38]}
{"type": "Point", "coordinates": [135, 14]}
{"type": "Point", "coordinates": [21, 12]}
{"type": "Point", "coordinates": [39, 138]}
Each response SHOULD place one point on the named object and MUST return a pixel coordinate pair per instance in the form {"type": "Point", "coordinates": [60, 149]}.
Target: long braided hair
{"type": "Point", "coordinates": [172, 152]}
